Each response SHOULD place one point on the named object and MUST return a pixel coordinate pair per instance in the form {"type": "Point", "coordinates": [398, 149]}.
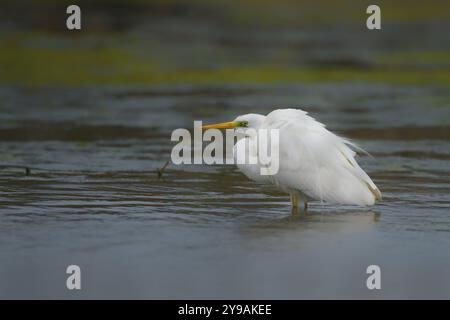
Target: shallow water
{"type": "Point", "coordinates": [93, 197]}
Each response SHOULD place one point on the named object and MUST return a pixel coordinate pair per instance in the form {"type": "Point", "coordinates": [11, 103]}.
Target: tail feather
{"type": "Point", "coordinates": [349, 155]}
{"type": "Point", "coordinates": [375, 191]}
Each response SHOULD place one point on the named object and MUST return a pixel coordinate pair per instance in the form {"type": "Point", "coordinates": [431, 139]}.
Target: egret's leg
{"type": "Point", "coordinates": [294, 200]}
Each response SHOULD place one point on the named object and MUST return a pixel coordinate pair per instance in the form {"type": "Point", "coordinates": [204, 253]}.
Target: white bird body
{"type": "Point", "coordinates": [314, 163]}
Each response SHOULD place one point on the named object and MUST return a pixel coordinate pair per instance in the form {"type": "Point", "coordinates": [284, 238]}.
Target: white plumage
{"type": "Point", "coordinates": [314, 163]}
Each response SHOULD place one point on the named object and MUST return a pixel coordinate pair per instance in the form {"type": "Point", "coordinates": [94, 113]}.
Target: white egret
{"type": "Point", "coordinates": [314, 163]}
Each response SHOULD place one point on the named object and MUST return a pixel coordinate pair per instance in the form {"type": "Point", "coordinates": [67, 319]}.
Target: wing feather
{"type": "Point", "coordinates": [317, 162]}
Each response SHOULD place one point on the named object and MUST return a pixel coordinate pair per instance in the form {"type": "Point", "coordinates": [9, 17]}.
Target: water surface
{"type": "Point", "coordinates": [93, 197]}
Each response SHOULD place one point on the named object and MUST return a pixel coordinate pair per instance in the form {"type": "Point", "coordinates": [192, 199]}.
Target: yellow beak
{"type": "Point", "coordinates": [223, 125]}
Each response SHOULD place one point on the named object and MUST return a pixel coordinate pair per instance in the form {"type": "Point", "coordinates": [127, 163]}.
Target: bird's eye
{"type": "Point", "coordinates": [243, 124]}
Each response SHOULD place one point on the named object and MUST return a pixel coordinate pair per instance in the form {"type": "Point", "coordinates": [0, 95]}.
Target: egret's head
{"type": "Point", "coordinates": [251, 120]}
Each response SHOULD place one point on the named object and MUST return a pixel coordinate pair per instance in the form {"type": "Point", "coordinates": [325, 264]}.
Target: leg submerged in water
{"type": "Point", "coordinates": [294, 200]}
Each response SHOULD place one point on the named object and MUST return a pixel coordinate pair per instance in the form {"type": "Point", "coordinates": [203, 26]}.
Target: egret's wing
{"type": "Point", "coordinates": [349, 155]}
{"type": "Point", "coordinates": [317, 162]}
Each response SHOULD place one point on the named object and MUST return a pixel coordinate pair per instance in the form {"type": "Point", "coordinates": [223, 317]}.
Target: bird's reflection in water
{"type": "Point", "coordinates": [299, 222]}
